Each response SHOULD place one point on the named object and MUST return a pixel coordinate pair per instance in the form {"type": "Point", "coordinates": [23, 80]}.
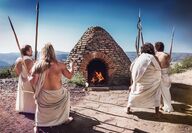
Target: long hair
{"type": "Point", "coordinates": [24, 49]}
{"type": "Point", "coordinates": [148, 48]}
{"type": "Point", "coordinates": [47, 56]}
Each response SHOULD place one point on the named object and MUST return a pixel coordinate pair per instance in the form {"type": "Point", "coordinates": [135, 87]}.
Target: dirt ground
{"type": "Point", "coordinates": [104, 111]}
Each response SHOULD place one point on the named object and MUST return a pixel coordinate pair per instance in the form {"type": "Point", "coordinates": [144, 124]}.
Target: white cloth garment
{"type": "Point", "coordinates": [24, 99]}
{"type": "Point", "coordinates": [53, 106]}
{"type": "Point", "coordinates": [146, 87]}
{"type": "Point", "coordinates": [166, 84]}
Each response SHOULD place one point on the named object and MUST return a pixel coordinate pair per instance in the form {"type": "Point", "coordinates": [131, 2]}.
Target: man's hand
{"type": "Point", "coordinates": [72, 66]}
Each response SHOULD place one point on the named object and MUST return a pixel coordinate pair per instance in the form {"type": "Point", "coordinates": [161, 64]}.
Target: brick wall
{"type": "Point", "coordinates": [96, 43]}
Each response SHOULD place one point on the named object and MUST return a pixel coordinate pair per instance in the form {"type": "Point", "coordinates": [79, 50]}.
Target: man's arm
{"type": "Point", "coordinates": [33, 79]}
{"type": "Point", "coordinates": [29, 64]}
{"type": "Point", "coordinates": [66, 72]}
{"type": "Point", "coordinates": [18, 68]}
{"type": "Point", "coordinates": [168, 58]}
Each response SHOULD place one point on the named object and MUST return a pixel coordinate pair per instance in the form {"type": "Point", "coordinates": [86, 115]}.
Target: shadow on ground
{"type": "Point", "coordinates": [84, 124]}
{"type": "Point", "coordinates": [181, 93]}
{"type": "Point", "coordinates": [182, 108]}
{"type": "Point", "coordinates": [28, 115]}
{"type": "Point", "coordinates": [170, 118]}
{"type": "Point", "coordinates": [80, 124]}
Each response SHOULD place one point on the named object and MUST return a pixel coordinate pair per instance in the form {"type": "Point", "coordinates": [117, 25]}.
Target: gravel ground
{"type": "Point", "coordinates": [104, 111]}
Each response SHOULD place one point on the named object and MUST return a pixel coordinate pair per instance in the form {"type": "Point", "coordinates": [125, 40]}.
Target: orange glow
{"type": "Point", "coordinates": [97, 77]}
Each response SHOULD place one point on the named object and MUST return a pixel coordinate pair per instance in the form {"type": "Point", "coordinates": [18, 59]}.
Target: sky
{"type": "Point", "coordinates": [63, 22]}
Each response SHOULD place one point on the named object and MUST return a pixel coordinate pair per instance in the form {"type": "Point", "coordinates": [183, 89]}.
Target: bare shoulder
{"type": "Point", "coordinates": [28, 61]}
{"type": "Point", "coordinates": [159, 54]}
{"type": "Point", "coordinates": [62, 64]}
{"type": "Point", "coordinates": [166, 55]}
{"type": "Point", "coordinates": [162, 54]}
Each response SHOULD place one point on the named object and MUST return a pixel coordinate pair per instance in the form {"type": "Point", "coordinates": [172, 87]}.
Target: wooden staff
{"type": "Point", "coordinates": [138, 41]}
{"type": "Point", "coordinates": [37, 22]}
{"type": "Point", "coordinates": [142, 40]}
{"type": "Point", "coordinates": [18, 45]}
{"type": "Point", "coordinates": [137, 49]}
{"type": "Point", "coordinates": [139, 34]}
{"type": "Point", "coordinates": [171, 46]}
{"type": "Point", "coordinates": [140, 29]}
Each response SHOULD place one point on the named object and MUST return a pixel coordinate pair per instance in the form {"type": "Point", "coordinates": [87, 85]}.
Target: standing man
{"type": "Point", "coordinates": [24, 100]}
{"type": "Point", "coordinates": [164, 60]}
{"type": "Point", "coordinates": [53, 101]}
{"type": "Point", "coordinates": [146, 75]}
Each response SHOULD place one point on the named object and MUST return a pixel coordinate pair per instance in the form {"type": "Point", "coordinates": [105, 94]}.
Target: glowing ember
{"type": "Point", "coordinates": [97, 77]}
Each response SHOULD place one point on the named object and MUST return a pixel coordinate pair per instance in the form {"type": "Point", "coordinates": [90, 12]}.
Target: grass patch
{"type": "Point", "coordinates": [77, 80]}
{"type": "Point", "coordinates": [182, 66]}
{"type": "Point", "coordinates": [7, 72]}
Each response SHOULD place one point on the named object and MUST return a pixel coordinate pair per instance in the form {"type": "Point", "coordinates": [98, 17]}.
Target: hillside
{"type": "Point", "coordinates": [8, 59]}
{"type": "Point", "coordinates": [3, 64]}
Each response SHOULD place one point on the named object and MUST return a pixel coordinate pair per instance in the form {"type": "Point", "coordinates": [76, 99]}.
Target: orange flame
{"type": "Point", "coordinates": [97, 77]}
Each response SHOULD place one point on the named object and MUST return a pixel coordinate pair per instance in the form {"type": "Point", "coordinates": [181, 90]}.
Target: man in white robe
{"type": "Point", "coordinates": [24, 100]}
{"type": "Point", "coordinates": [164, 60]}
{"type": "Point", "coordinates": [53, 106]}
{"type": "Point", "coordinates": [53, 101]}
{"type": "Point", "coordinates": [146, 76]}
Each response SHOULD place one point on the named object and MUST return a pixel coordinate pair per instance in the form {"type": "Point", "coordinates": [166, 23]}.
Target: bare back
{"type": "Point", "coordinates": [164, 59]}
{"type": "Point", "coordinates": [54, 76]}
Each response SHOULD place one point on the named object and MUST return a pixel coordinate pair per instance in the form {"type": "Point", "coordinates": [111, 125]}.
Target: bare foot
{"type": "Point", "coordinates": [129, 111]}
{"type": "Point", "coordinates": [35, 129]}
{"type": "Point", "coordinates": [161, 107]}
{"type": "Point", "coordinates": [158, 115]}
{"type": "Point", "coordinates": [69, 120]}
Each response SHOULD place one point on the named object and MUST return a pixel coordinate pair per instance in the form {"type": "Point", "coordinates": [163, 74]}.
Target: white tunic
{"type": "Point", "coordinates": [53, 106]}
{"type": "Point", "coordinates": [166, 84]}
{"type": "Point", "coordinates": [146, 88]}
{"type": "Point", "coordinates": [24, 99]}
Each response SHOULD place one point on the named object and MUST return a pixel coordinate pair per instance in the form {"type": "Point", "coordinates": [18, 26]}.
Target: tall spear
{"type": "Point", "coordinates": [37, 22]}
{"type": "Point", "coordinates": [136, 47]}
{"type": "Point", "coordinates": [172, 36]}
{"type": "Point", "coordinates": [142, 40]}
{"type": "Point", "coordinates": [139, 35]}
{"type": "Point", "coordinates": [139, 29]}
{"type": "Point", "coordinates": [18, 45]}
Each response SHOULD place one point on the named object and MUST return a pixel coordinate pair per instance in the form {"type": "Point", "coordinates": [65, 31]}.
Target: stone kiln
{"type": "Point", "coordinates": [100, 59]}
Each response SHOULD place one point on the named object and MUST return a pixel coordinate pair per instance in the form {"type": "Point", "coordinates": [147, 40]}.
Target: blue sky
{"type": "Point", "coordinates": [63, 22]}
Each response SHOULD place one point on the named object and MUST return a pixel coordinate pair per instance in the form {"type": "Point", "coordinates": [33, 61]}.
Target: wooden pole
{"type": "Point", "coordinates": [138, 40]}
{"type": "Point", "coordinates": [139, 34]}
{"type": "Point", "coordinates": [37, 22]}
{"type": "Point", "coordinates": [18, 45]}
{"type": "Point", "coordinates": [142, 40]}
{"type": "Point", "coordinates": [137, 50]}
{"type": "Point", "coordinates": [171, 46]}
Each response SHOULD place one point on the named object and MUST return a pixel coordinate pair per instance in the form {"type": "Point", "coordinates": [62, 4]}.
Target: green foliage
{"type": "Point", "coordinates": [77, 79]}
{"type": "Point", "coordinates": [182, 66]}
{"type": "Point", "coordinates": [187, 63]}
{"type": "Point", "coordinates": [7, 72]}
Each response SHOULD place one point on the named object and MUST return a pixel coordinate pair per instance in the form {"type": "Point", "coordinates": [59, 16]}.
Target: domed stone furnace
{"type": "Point", "coordinates": [100, 59]}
